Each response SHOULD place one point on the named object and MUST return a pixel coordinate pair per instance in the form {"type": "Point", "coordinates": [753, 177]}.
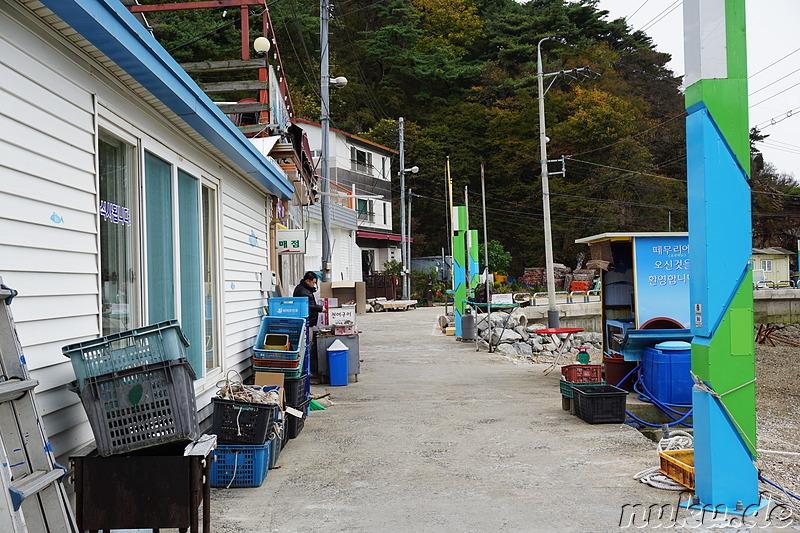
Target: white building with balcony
{"type": "Point", "coordinates": [362, 167]}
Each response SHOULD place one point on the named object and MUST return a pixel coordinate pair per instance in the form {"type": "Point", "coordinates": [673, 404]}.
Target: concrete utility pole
{"type": "Point", "coordinates": [405, 245]}
{"type": "Point", "coordinates": [325, 83]}
{"type": "Point", "coordinates": [486, 253]}
{"type": "Point", "coordinates": [403, 275]}
{"type": "Point", "coordinates": [324, 87]}
{"type": "Point", "coordinates": [552, 311]}
{"type": "Point", "coordinates": [408, 244]}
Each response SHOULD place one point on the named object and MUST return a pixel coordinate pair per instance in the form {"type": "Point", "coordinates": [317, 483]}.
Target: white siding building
{"type": "Point", "coordinates": [126, 198]}
{"type": "Point", "coordinates": [361, 167]}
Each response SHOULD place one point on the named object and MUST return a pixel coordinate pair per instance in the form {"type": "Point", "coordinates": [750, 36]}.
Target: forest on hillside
{"type": "Point", "coordinates": [462, 74]}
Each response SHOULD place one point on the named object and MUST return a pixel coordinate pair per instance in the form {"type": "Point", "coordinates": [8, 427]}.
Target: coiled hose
{"type": "Point", "coordinates": [678, 440]}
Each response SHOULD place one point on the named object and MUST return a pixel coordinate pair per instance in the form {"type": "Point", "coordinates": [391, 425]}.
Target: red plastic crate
{"type": "Point", "coordinates": [583, 373]}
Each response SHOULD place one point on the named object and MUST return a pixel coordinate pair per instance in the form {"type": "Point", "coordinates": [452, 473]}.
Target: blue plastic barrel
{"type": "Point", "coordinates": [338, 354]}
{"type": "Point", "coordinates": [666, 372]}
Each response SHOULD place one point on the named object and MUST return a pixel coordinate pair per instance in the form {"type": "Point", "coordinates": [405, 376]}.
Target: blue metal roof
{"type": "Point", "coordinates": [114, 31]}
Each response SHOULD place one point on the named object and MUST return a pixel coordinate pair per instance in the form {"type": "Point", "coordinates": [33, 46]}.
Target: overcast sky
{"type": "Point", "coordinates": [773, 32]}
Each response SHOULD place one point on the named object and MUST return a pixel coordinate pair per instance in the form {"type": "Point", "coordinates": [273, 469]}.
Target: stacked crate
{"type": "Point", "coordinates": [247, 434]}
{"type": "Point", "coordinates": [136, 387]}
{"type": "Point", "coordinates": [577, 376]}
{"type": "Point", "coordinates": [288, 316]}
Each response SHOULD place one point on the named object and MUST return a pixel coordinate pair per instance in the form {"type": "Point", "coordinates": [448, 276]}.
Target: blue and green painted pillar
{"type": "Point", "coordinates": [720, 239]}
{"type": "Point", "coordinates": [460, 230]}
{"type": "Point", "coordinates": [472, 258]}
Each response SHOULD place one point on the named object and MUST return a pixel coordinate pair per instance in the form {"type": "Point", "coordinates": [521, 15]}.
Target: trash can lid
{"type": "Point", "coordinates": [673, 345]}
{"type": "Point", "coordinates": [337, 346]}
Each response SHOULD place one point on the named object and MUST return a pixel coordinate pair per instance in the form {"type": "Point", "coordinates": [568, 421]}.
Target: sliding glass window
{"type": "Point", "coordinates": [191, 267]}
{"type": "Point", "coordinates": [209, 200]}
{"type": "Point", "coordinates": [116, 210]}
{"type": "Point", "coordinates": [160, 240]}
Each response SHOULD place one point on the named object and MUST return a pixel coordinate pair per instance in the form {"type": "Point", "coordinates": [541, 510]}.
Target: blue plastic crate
{"type": "Point", "coordinates": [240, 466]}
{"type": "Point", "coordinates": [126, 350]}
{"type": "Point", "coordinates": [295, 328]}
{"type": "Point", "coordinates": [277, 444]}
{"type": "Point", "coordinates": [288, 307]}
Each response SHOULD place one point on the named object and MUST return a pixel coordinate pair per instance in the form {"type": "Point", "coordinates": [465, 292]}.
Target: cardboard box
{"type": "Point", "coordinates": [450, 330]}
{"type": "Point", "coordinates": [346, 291]}
{"type": "Point", "coordinates": [268, 379]}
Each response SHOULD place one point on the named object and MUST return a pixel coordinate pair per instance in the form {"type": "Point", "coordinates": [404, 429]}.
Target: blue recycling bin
{"type": "Point", "coordinates": [666, 372]}
{"type": "Point", "coordinates": [338, 354]}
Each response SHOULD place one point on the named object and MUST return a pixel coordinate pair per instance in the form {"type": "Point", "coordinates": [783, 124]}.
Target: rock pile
{"type": "Point", "coordinates": [513, 336]}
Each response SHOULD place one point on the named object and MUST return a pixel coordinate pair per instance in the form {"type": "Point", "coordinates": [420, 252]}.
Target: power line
{"type": "Point", "coordinates": [775, 63]}
{"type": "Point", "coordinates": [629, 17]}
{"type": "Point", "coordinates": [362, 8]}
{"type": "Point", "coordinates": [666, 12]}
{"type": "Point", "coordinates": [773, 83]}
{"type": "Point", "coordinates": [631, 137]}
{"type": "Point", "coordinates": [776, 119]}
{"type": "Point", "coordinates": [376, 106]}
{"type": "Point", "coordinates": [628, 170]}
{"type": "Point", "coordinates": [776, 94]}
{"type": "Point", "coordinates": [787, 149]}
{"type": "Point", "coordinates": [311, 83]}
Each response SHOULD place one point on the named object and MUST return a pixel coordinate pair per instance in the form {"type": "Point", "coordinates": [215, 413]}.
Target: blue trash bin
{"type": "Point", "coordinates": [338, 354]}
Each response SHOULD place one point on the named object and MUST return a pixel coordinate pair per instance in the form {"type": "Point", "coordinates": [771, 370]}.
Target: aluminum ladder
{"type": "Point", "coordinates": [32, 495]}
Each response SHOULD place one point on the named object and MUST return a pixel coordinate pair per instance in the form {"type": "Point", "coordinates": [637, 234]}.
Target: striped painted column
{"type": "Point", "coordinates": [472, 257]}
{"type": "Point", "coordinates": [720, 240]}
{"type": "Point", "coordinates": [460, 230]}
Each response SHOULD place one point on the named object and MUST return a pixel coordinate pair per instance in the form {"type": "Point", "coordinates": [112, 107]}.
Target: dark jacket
{"type": "Point", "coordinates": [304, 290]}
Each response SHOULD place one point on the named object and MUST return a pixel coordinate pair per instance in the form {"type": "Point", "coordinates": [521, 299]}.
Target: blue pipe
{"type": "Point", "coordinates": [762, 478]}
{"type": "Point", "coordinates": [664, 407]}
{"type": "Point", "coordinates": [649, 398]}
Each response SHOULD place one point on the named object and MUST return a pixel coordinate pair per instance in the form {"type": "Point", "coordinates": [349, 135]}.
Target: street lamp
{"type": "Point", "coordinates": [261, 45]}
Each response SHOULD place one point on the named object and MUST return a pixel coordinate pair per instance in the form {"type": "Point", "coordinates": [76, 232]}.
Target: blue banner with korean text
{"type": "Point", "coordinates": [662, 282]}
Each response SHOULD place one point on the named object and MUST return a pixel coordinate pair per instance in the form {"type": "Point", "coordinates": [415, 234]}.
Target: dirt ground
{"type": "Point", "coordinates": [777, 404]}
{"type": "Point", "coordinates": [778, 410]}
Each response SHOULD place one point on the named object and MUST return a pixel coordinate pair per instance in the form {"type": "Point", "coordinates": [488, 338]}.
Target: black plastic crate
{"type": "Point", "coordinates": [243, 422]}
{"type": "Point", "coordinates": [600, 404]}
{"type": "Point", "coordinates": [295, 390]}
{"type": "Point", "coordinates": [295, 425]}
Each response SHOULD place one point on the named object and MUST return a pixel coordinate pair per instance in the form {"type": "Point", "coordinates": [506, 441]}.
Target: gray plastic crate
{"type": "Point", "coordinates": [127, 349]}
{"type": "Point", "coordinates": [142, 407]}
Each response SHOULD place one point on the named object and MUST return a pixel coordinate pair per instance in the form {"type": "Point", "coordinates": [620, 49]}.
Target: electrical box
{"type": "Point", "coordinates": [268, 280]}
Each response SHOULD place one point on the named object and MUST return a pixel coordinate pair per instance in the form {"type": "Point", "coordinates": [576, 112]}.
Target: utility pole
{"type": "Point", "coordinates": [408, 245]}
{"type": "Point", "coordinates": [324, 86]}
{"type": "Point", "coordinates": [325, 83]}
{"type": "Point", "coordinates": [403, 276]}
{"type": "Point", "coordinates": [450, 224]}
{"type": "Point", "coordinates": [552, 310]}
{"type": "Point", "coordinates": [486, 254]}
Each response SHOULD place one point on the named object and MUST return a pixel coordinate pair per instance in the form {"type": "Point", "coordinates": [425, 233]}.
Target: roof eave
{"type": "Point", "coordinates": [116, 33]}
